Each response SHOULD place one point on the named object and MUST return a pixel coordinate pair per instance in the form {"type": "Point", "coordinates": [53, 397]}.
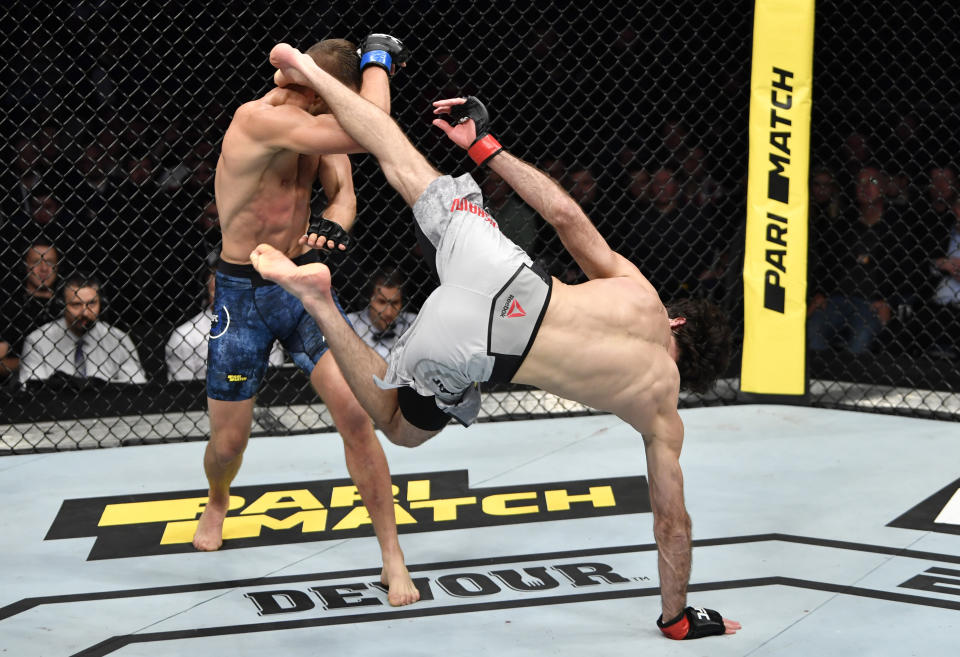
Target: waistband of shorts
{"type": "Point", "coordinates": [251, 274]}
{"type": "Point", "coordinates": [505, 367]}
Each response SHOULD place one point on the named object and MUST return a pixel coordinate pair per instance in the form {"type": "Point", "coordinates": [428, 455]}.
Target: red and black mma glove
{"type": "Point", "coordinates": [693, 623]}
{"type": "Point", "coordinates": [384, 51]}
{"type": "Point", "coordinates": [485, 146]}
{"type": "Point", "coordinates": [330, 230]}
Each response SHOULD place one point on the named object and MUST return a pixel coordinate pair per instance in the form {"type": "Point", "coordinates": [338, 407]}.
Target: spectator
{"type": "Point", "coordinates": [632, 200]}
{"type": "Point", "coordinates": [938, 319]}
{"type": "Point", "coordinates": [44, 212]}
{"type": "Point", "coordinates": [581, 184]}
{"type": "Point", "coordinates": [638, 187]}
{"type": "Point", "coordinates": [857, 152]}
{"type": "Point", "coordinates": [93, 200]}
{"type": "Point", "coordinates": [713, 204]}
{"type": "Point", "coordinates": [667, 224]}
{"type": "Point", "coordinates": [96, 189]}
{"type": "Point", "coordinates": [700, 187]}
{"type": "Point", "coordinates": [863, 276]}
{"type": "Point", "coordinates": [900, 191]}
{"type": "Point", "coordinates": [34, 301]}
{"type": "Point", "coordinates": [555, 168]}
{"type": "Point", "coordinates": [941, 192]}
{"type": "Point", "coordinates": [517, 220]}
{"type": "Point", "coordinates": [8, 363]}
{"type": "Point", "coordinates": [194, 172]}
{"type": "Point", "coordinates": [29, 167]}
{"type": "Point", "coordinates": [826, 213]}
{"type": "Point", "coordinates": [144, 222]}
{"type": "Point", "coordinates": [79, 344]}
{"type": "Point", "coordinates": [48, 220]}
{"type": "Point", "coordinates": [186, 349]}
{"type": "Point", "coordinates": [672, 141]}
{"type": "Point", "coordinates": [447, 79]}
{"type": "Point", "coordinates": [383, 321]}
{"type": "Point", "coordinates": [825, 202]}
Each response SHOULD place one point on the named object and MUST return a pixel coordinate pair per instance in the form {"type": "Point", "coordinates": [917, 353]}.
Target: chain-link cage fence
{"type": "Point", "coordinates": [884, 280]}
{"type": "Point", "coordinates": [114, 113]}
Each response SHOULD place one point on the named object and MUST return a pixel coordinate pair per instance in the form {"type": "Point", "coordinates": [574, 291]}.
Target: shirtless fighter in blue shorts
{"type": "Point", "coordinates": [274, 150]}
{"type": "Point", "coordinates": [608, 343]}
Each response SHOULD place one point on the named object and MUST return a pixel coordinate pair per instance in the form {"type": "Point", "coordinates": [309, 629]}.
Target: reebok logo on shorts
{"type": "Point", "coordinates": [516, 310]}
{"type": "Point", "coordinates": [512, 308]}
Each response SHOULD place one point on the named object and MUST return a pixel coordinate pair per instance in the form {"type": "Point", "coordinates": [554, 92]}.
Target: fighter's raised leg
{"type": "Point", "coordinates": [405, 168]}
{"type": "Point", "coordinates": [358, 362]}
{"type": "Point", "coordinates": [368, 469]}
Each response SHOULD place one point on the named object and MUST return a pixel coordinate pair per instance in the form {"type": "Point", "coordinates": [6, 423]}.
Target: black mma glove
{"type": "Point", "coordinates": [330, 230]}
{"type": "Point", "coordinates": [384, 51]}
{"type": "Point", "coordinates": [693, 623]}
{"type": "Point", "coordinates": [485, 146]}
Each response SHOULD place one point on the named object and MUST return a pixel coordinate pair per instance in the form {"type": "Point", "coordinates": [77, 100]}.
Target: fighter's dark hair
{"type": "Point", "coordinates": [703, 343]}
{"type": "Point", "coordinates": [339, 58]}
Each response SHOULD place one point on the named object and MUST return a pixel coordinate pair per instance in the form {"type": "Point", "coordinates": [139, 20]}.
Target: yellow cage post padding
{"type": "Point", "coordinates": [775, 258]}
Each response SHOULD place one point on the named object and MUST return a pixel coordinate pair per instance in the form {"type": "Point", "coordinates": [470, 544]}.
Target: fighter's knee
{"type": "Point", "coordinates": [354, 425]}
{"type": "Point", "coordinates": [226, 448]}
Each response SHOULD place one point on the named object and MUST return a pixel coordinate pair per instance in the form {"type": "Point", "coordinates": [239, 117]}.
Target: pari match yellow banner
{"type": "Point", "coordinates": [775, 259]}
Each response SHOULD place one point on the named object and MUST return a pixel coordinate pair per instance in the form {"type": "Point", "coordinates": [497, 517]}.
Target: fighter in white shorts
{"type": "Point", "coordinates": [479, 324]}
{"type": "Point", "coordinates": [609, 343]}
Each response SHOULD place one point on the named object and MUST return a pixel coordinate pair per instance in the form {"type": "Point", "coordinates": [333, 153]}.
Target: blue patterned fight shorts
{"type": "Point", "coordinates": [251, 313]}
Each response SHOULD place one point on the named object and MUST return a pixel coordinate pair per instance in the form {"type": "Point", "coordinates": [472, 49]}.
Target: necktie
{"type": "Point", "coordinates": [80, 359]}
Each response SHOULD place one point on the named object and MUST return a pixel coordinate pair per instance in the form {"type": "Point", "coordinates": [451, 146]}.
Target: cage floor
{"type": "Point", "coordinates": [823, 532]}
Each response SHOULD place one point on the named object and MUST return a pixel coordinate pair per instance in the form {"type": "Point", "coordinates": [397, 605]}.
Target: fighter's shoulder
{"type": "Point", "coordinates": [252, 110]}
{"type": "Point", "coordinates": [255, 115]}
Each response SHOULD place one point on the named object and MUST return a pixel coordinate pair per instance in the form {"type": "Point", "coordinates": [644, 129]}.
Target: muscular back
{"type": "Point", "coordinates": [267, 168]}
{"type": "Point", "coordinates": [605, 344]}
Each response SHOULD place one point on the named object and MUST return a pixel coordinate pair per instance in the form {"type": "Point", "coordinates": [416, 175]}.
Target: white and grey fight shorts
{"type": "Point", "coordinates": [480, 322]}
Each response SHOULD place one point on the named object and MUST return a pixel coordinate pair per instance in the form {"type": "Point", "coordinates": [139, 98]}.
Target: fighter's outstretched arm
{"type": "Point", "coordinates": [578, 234]}
{"type": "Point", "coordinates": [671, 529]}
{"type": "Point", "coordinates": [671, 522]}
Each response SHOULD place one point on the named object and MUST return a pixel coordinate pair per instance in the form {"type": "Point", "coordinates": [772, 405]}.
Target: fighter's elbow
{"type": "Point", "coordinates": [563, 211]}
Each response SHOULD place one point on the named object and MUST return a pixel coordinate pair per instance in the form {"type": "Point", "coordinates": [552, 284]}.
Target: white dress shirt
{"type": "Point", "coordinates": [948, 291]}
{"type": "Point", "coordinates": [109, 354]}
{"type": "Point", "coordinates": [382, 343]}
{"type": "Point", "coordinates": [186, 350]}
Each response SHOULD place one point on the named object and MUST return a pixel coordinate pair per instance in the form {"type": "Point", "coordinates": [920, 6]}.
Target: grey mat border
{"type": "Point", "coordinates": [116, 642]}
{"type": "Point", "coordinates": [29, 603]}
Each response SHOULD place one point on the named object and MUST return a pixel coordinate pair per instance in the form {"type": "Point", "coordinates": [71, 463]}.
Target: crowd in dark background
{"type": "Point", "coordinates": [114, 113]}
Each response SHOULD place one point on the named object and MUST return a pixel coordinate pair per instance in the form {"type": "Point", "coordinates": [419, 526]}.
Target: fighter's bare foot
{"type": "Point", "coordinates": [400, 588]}
{"type": "Point", "coordinates": [283, 55]}
{"type": "Point", "coordinates": [306, 281]}
{"type": "Point", "coordinates": [209, 534]}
